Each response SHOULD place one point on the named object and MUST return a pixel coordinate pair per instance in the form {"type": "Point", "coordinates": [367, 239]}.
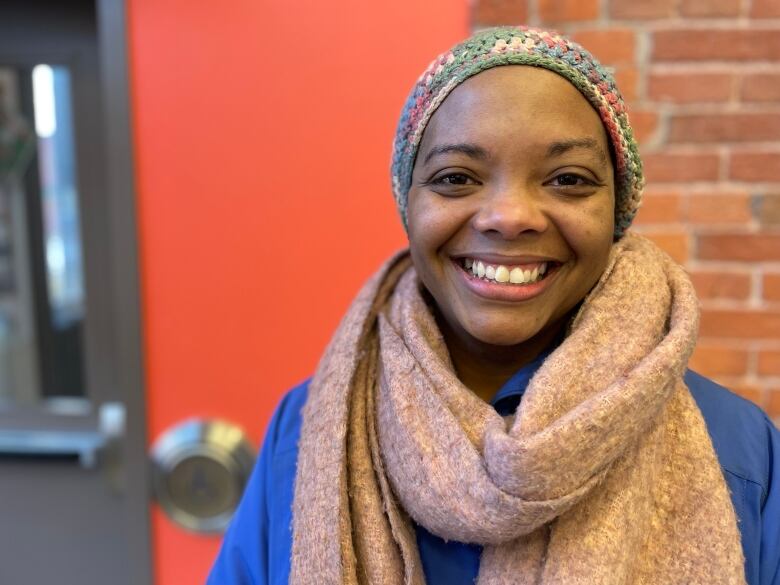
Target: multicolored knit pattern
{"type": "Point", "coordinates": [522, 46]}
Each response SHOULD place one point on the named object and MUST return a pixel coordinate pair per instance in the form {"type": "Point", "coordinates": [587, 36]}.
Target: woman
{"type": "Point", "coordinates": [414, 459]}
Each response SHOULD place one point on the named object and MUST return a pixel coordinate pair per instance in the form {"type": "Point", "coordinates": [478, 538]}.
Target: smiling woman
{"type": "Point", "coordinates": [508, 401]}
{"type": "Point", "coordinates": [513, 181]}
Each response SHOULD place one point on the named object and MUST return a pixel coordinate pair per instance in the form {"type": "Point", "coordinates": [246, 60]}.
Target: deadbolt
{"type": "Point", "coordinates": [200, 468]}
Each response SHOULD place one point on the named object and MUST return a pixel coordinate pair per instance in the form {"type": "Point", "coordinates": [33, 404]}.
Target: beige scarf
{"type": "Point", "coordinates": [606, 475]}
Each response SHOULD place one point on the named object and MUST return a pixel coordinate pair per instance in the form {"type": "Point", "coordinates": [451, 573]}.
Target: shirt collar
{"type": "Point", "coordinates": [508, 396]}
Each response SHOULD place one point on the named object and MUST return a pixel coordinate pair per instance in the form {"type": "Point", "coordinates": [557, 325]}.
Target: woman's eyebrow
{"type": "Point", "coordinates": [466, 148]}
{"type": "Point", "coordinates": [559, 148]}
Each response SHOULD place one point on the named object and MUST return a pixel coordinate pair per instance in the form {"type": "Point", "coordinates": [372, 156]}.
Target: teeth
{"type": "Point", "coordinates": [516, 276]}
{"type": "Point", "coordinates": [502, 274]}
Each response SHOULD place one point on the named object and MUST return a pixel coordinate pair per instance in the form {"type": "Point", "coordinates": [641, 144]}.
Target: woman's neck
{"type": "Point", "coordinates": [485, 368]}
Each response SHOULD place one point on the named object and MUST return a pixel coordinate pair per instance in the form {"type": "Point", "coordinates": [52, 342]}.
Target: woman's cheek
{"type": "Point", "coordinates": [588, 227]}
{"type": "Point", "coordinates": [434, 221]}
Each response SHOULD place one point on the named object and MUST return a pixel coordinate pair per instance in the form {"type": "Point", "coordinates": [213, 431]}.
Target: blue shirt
{"type": "Point", "coordinates": [256, 548]}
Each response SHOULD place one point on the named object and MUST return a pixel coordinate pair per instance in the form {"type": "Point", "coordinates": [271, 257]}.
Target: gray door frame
{"type": "Point", "coordinates": [114, 340]}
{"type": "Point", "coordinates": [125, 279]}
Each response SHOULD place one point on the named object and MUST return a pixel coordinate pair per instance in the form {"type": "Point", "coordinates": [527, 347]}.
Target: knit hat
{"type": "Point", "coordinates": [521, 46]}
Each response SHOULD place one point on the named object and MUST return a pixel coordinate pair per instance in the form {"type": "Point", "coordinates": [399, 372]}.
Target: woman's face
{"type": "Point", "coordinates": [512, 181]}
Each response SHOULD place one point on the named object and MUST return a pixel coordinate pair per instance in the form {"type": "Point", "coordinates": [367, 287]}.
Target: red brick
{"type": "Point", "coordinates": [755, 166]}
{"type": "Point", "coordinates": [767, 210]}
{"type": "Point", "coordinates": [742, 324]}
{"type": "Point", "coordinates": [769, 363]}
{"type": "Point", "coordinates": [749, 392]}
{"type": "Point", "coordinates": [673, 243]}
{"type": "Point", "coordinates": [721, 285]}
{"type": "Point", "coordinates": [773, 403]}
{"type": "Point", "coordinates": [761, 87]}
{"type": "Point", "coordinates": [717, 360]}
{"type": "Point", "coordinates": [627, 80]}
{"type": "Point", "coordinates": [726, 44]}
{"type": "Point", "coordinates": [771, 287]}
{"type": "Point", "coordinates": [710, 7]}
{"type": "Point", "coordinates": [765, 9]}
{"type": "Point", "coordinates": [744, 247]}
{"type": "Point", "coordinates": [686, 88]}
{"type": "Point", "coordinates": [611, 46]}
{"type": "Point", "coordinates": [659, 208]}
{"type": "Point", "coordinates": [666, 167]}
{"type": "Point", "coordinates": [497, 12]}
{"type": "Point", "coordinates": [642, 9]}
{"type": "Point", "coordinates": [644, 124]}
{"type": "Point", "coordinates": [568, 10]}
{"type": "Point", "coordinates": [731, 208]}
{"type": "Point", "coordinates": [741, 127]}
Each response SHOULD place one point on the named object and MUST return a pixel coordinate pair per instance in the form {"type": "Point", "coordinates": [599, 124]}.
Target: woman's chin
{"type": "Point", "coordinates": [503, 336]}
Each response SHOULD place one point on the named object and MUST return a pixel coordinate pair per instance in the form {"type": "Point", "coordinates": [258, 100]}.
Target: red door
{"type": "Point", "coordinates": [262, 133]}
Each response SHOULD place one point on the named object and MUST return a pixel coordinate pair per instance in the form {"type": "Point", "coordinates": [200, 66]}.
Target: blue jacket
{"type": "Point", "coordinates": [256, 548]}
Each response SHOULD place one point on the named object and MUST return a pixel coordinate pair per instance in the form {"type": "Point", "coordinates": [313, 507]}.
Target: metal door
{"type": "Point", "coordinates": [73, 480]}
{"type": "Point", "coordinates": [263, 130]}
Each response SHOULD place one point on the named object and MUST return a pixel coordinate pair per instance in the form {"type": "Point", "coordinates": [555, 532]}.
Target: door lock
{"type": "Point", "coordinates": [199, 470]}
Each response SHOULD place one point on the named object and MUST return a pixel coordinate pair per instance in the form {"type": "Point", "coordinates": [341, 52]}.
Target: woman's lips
{"type": "Point", "coordinates": [492, 290]}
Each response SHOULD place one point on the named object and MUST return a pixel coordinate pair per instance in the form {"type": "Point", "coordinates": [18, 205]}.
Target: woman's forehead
{"type": "Point", "coordinates": [513, 103]}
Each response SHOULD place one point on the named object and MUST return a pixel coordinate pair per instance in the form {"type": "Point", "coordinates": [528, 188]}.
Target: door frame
{"type": "Point", "coordinates": [125, 283]}
{"type": "Point", "coordinates": [114, 346]}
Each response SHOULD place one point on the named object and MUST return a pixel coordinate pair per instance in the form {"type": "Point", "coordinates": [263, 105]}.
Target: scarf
{"type": "Point", "coordinates": [605, 475]}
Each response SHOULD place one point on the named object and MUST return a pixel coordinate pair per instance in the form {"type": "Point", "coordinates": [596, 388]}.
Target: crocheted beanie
{"type": "Point", "coordinates": [521, 46]}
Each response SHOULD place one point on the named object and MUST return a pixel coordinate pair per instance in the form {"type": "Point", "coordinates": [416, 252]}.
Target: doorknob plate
{"type": "Point", "coordinates": [199, 470]}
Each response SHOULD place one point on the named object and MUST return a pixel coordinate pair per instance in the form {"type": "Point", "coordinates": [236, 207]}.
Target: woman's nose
{"type": "Point", "coordinates": [511, 211]}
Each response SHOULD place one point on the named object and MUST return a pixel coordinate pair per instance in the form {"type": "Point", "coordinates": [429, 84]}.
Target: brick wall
{"type": "Point", "coordinates": [702, 80]}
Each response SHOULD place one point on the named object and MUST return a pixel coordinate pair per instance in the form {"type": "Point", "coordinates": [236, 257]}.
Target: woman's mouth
{"type": "Point", "coordinates": [517, 275]}
{"type": "Point", "coordinates": [506, 282]}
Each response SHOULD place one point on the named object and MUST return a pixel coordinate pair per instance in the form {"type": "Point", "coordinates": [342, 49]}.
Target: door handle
{"type": "Point", "coordinates": [82, 444]}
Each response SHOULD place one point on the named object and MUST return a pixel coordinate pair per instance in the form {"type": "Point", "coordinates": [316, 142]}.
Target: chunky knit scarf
{"type": "Point", "coordinates": [605, 475]}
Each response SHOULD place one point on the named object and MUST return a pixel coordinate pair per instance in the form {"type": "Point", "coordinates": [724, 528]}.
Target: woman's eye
{"type": "Point", "coordinates": [570, 180]}
{"type": "Point", "coordinates": [454, 179]}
